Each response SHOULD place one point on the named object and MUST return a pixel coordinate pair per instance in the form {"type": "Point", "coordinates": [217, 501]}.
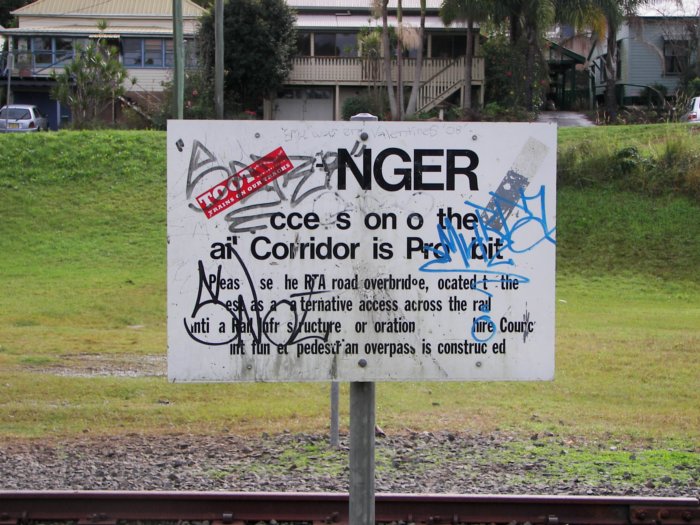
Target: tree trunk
{"type": "Point", "coordinates": [399, 60]}
{"type": "Point", "coordinates": [611, 75]}
{"type": "Point", "coordinates": [418, 74]}
{"type": "Point", "coordinates": [468, 60]}
{"type": "Point", "coordinates": [532, 49]}
{"type": "Point", "coordinates": [386, 45]}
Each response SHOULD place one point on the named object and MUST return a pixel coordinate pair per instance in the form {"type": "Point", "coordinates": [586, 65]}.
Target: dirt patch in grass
{"type": "Point", "coordinates": [100, 365]}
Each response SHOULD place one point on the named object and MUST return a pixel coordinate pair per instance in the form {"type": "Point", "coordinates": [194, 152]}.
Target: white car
{"type": "Point", "coordinates": [22, 118]}
{"type": "Point", "coordinates": [693, 113]}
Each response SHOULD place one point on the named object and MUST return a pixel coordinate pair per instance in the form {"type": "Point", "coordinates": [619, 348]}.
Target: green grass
{"type": "Point", "coordinates": [82, 273]}
{"type": "Point", "coordinates": [651, 160]}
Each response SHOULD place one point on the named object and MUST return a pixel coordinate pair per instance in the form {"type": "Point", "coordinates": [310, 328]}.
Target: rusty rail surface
{"type": "Point", "coordinates": [110, 507]}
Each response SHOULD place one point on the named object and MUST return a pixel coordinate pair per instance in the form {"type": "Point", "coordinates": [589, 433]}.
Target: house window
{"type": "Point", "coordinates": [324, 44]}
{"type": "Point", "coordinates": [43, 53]}
{"type": "Point", "coordinates": [170, 53]}
{"type": "Point", "coordinates": [303, 44]}
{"type": "Point", "coordinates": [449, 46]}
{"type": "Point", "coordinates": [64, 49]}
{"type": "Point", "coordinates": [131, 52]}
{"type": "Point", "coordinates": [335, 44]}
{"type": "Point", "coordinates": [155, 52]}
{"type": "Point", "coordinates": [676, 56]}
{"type": "Point", "coordinates": [346, 43]}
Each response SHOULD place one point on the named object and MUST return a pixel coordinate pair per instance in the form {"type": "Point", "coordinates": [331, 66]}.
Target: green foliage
{"type": "Point", "coordinates": [260, 42]}
{"type": "Point", "coordinates": [655, 95]}
{"type": "Point", "coordinates": [495, 112]}
{"type": "Point", "coordinates": [370, 40]}
{"type": "Point", "coordinates": [365, 103]}
{"type": "Point", "coordinates": [506, 74]}
{"type": "Point", "coordinates": [198, 100]}
{"type": "Point", "coordinates": [692, 88]}
{"type": "Point", "coordinates": [91, 80]}
{"type": "Point", "coordinates": [6, 7]}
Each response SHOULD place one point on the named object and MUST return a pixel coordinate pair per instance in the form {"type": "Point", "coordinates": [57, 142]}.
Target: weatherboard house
{"type": "Point", "coordinates": [655, 48]}
{"type": "Point", "coordinates": [49, 31]}
{"type": "Point", "coordinates": [332, 63]}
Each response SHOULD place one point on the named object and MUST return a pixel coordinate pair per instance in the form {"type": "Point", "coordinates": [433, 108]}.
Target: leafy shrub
{"type": "Point", "coordinates": [506, 75]}
{"type": "Point", "coordinates": [655, 95]}
{"type": "Point", "coordinates": [365, 103]}
{"type": "Point", "coordinates": [495, 112]}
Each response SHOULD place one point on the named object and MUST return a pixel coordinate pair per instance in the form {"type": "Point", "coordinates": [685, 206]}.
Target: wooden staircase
{"type": "Point", "coordinates": [441, 86]}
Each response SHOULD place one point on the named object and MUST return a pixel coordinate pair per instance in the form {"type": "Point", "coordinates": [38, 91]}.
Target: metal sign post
{"type": "Point", "coordinates": [362, 419]}
{"type": "Point", "coordinates": [179, 72]}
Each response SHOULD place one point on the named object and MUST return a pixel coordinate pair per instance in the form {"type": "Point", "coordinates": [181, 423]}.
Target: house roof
{"type": "Point", "coordinates": [670, 8]}
{"type": "Point", "coordinates": [90, 31]}
{"type": "Point", "coordinates": [356, 21]}
{"type": "Point", "coordinates": [357, 5]}
{"type": "Point", "coordinates": [107, 8]}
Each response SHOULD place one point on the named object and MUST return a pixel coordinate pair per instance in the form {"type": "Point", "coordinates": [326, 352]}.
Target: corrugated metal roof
{"type": "Point", "coordinates": [83, 31]}
{"type": "Point", "coordinates": [107, 8]}
{"type": "Point", "coordinates": [314, 21]}
{"type": "Point", "coordinates": [357, 4]}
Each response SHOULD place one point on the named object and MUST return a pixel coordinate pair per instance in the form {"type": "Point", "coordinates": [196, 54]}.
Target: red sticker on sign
{"type": "Point", "coordinates": [244, 183]}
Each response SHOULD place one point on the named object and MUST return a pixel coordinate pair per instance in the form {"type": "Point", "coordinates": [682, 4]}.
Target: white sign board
{"type": "Point", "coordinates": [360, 251]}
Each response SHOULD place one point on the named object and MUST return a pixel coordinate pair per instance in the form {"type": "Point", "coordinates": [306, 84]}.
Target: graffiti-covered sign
{"type": "Point", "coordinates": [360, 251]}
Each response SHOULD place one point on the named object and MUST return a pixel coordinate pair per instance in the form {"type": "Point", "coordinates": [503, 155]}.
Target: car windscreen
{"type": "Point", "coordinates": [15, 114]}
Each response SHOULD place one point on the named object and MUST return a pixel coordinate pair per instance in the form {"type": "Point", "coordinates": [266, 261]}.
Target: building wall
{"type": "Point", "coordinates": [642, 54]}
{"type": "Point", "coordinates": [646, 64]}
{"type": "Point", "coordinates": [147, 79]}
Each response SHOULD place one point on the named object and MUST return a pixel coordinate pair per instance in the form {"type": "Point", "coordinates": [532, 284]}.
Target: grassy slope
{"type": "Point", "coordinates": [82, 270]}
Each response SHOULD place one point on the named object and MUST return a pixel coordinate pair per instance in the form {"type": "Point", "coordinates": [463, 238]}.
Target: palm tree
{"type": "Point", "coordinates": [382, 7]}
{"type": "Point", "coordinates": [418, 73]}
{"type": "Point", "coordinates": [471, 11]}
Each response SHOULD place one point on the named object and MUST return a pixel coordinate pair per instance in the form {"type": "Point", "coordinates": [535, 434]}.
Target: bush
{"type": "Point", "coordinates": [506, 76]}
{"type": "Point", "coordinates": [494, 112]}
{"type": "Point", "coordinates": [365, 103]}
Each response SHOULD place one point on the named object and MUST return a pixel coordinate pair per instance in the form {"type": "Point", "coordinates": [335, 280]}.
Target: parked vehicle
{"type": "Point", "coordinates": [22, 118]}
{"type": "Point", "coordinates": [693, 113]}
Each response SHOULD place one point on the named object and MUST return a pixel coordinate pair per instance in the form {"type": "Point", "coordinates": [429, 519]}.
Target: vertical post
{"type": "Point", "coordinates": [362, 418]}
{"type": "Point", "coordinates": [335, 398]}
{"type": "Point", "coordinates": [10, 67]}
{"type": "Point", "coordinates": [362, 422]}
{"type": "Point", "coordinates": [219, 59]}
{"type": "Point", "coordinates": [178, 43]}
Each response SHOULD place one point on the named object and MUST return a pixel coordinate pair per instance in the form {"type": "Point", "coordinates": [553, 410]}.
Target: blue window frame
{"type": "Point", "coordinates": [154, 52]}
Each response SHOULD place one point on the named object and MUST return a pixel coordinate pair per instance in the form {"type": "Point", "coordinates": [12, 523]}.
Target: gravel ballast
{"type": "Point", "coordinates": [410, 462]}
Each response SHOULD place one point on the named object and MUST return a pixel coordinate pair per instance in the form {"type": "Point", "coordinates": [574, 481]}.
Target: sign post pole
{"type": "Point", "coordinates": [362, 419]}
{"type": "Point", "coordinates": [335, 416]}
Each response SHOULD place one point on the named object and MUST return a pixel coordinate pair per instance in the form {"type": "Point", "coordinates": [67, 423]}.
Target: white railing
{"type": "Point", "coordinates": [362, 71]}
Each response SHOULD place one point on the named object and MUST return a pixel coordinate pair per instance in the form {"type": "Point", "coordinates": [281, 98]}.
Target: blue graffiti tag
{"type": "Point", "coordinates": [495, 243]}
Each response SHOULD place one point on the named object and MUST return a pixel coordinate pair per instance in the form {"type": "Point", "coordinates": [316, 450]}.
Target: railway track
{"type": "Point", "coordinates": [222, 508]}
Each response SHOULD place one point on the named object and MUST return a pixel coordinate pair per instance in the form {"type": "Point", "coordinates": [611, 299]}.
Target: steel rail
{"type": "Point", "coordinates": [109, 507]}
